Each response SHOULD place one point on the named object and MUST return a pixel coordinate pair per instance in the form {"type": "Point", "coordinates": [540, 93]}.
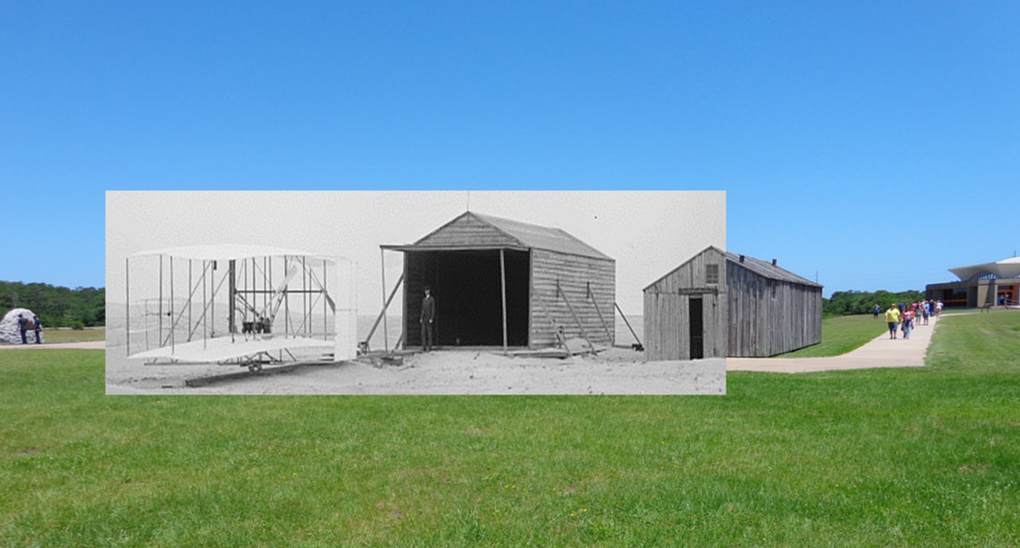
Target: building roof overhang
{"type": "Point", "coordinates": [1008, 268]}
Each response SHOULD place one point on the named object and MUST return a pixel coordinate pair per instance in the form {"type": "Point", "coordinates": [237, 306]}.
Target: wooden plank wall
{"type": "Point", "coordinates": [667, 310]}
{"type": "Point", "coordinates": [770, 317]}
{"type": "Point", "coordinates": [573, 273]}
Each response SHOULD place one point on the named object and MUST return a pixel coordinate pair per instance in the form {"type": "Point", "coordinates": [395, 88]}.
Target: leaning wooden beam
{"type": "Point", "coordinates": [628, 324]}
{"type": "Point", "coordinates": [385, 306]}
{"type": "Point", "coordinates": [609, 336]}
{"type": "Point", "coordinates": [580, 326]}
{"type": "Point", "coordinates": [556, 332]}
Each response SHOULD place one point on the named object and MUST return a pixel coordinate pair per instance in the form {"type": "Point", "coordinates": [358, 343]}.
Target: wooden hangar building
{"type": "Point", "coordinates": [499, 282]}
{"type": "Point", "coordinates": [768, 310]}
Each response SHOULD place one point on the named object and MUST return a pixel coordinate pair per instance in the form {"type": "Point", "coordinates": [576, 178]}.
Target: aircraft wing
{"type": "Point", "coordinates": [222, 349]}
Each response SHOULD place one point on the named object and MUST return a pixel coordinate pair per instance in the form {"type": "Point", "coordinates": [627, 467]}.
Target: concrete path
{"type": "Point", "coordinates": [90, 345]}
{"type": "Point", "coordinates": [880, 352]}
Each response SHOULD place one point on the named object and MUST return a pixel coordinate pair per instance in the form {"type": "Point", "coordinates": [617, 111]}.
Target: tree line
{"type": "Point", "coordinates": [56, 306]}
{"type": "Point", "coordinates": [846, 303]}
{"type": "Point", "coordinates": [86, 306]}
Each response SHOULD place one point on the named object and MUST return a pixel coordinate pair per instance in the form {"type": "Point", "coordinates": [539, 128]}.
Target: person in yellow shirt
{"type": "Point", "coordinates": [892, 317]}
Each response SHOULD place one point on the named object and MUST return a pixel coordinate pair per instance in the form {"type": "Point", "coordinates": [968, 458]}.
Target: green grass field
{"type": "Point", "coordinates": [900, 457]}
{"type": "Point", "coordinates": [841, 335]}
{"type": "Point", "coordinates": [72, 335]}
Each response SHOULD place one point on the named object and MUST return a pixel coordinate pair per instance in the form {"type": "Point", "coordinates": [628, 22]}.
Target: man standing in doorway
{"type": "Point", "coordinates": [428, 319]}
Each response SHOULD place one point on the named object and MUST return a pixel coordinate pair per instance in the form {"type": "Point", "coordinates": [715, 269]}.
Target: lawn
{"type": "Point", "coordinates": [842, 334]}
{"type": "Point", "coordinates": [899, 457]}
{"type": "Point", "coordinates": [72, 335]}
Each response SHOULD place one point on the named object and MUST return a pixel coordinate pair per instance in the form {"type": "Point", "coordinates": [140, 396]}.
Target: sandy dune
{"type": "Point", "coordinates": [615, 371]}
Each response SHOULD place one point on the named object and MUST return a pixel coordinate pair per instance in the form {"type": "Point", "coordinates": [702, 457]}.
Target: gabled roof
{"type": "Point", "coordinates": [472, 230]}
{"type": "Point", "coordinates": [1006, 268]}
{"type": "Point", "coordinates": [766, 269]}
{"type": "Point", "coordinates": [683, 264]}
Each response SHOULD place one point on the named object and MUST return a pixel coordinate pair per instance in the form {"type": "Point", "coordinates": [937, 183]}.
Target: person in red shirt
{"type": "Point", "coordinates": [908, 322]}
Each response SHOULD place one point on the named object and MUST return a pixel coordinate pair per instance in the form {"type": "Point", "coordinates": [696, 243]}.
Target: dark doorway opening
{"type": "Point", "coordinates": [697, 329]}
{"type": "Point", "coordinates": [468, 293]}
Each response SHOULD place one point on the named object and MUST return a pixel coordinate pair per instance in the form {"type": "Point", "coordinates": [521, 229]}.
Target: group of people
{"type": "Point", "coordinates": [903, 316]}
{"type": "Point", "coordinates": [25, 324]}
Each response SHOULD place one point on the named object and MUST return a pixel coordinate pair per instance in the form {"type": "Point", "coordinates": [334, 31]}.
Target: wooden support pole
{"type": "Point", "coordinates": [609, 336]}
{"type": "Point", "coordinates": [192, 290]}
{"type": "Point", "coordinates": [160, 339]}
{"type": "Point", "coordinates": [205, 321]}
{"type": "Point", "coordinates": [325, 304]}
{"type": "Point", "coordinates": [385, 324]}
{"type": "Point", "coordinates": [383, 313]}
{"type": "Point", "coordinates": [231, 298]}
{"type": "Point", "coordinates": [580, 326]}
{"type": "Point", "coordinates": [212, 301]}
{"type": "Point", "coordinates": [172, 324]}
{"type": "Point", "coordinates": [502, 279]}
{"type": "Point", "coordinates": [127, 297]}
{"type": "Point", "coordinates": [286, 302]}
{"type": "Point", "coordinates": [628, 324]}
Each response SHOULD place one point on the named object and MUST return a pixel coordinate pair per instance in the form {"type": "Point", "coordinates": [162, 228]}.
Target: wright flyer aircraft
{"type": "Point", "coordinates": [239, 304]}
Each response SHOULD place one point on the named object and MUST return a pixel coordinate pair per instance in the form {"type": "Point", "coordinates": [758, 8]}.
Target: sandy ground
{"type": "Point", "coordinates": [614, 371]}
{"type": "Point", "coordinates": [879, 352]}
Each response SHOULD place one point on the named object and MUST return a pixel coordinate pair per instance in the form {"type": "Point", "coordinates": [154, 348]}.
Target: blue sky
{"type": "Point", "coordinates": [871, 144]}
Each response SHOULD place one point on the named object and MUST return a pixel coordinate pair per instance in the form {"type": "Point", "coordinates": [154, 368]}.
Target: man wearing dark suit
{"type": "Point", "coordinates": [23, 327]}
{"type": "Point", "coordinates": [428, 319]}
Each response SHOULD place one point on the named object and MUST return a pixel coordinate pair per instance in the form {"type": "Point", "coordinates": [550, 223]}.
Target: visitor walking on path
{"type": "Point", "coordinates": [892, 317]}
{"type": "Point", "coordinates": [908, 322]}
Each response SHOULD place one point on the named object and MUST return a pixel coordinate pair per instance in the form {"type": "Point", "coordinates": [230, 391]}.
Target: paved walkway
{"type": "Point", "coordinates": [100, 345]}
{"type": "Point", "coordinates": [880, 352]}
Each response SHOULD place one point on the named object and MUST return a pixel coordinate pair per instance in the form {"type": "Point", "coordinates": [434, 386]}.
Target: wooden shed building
{"type": "Point", "coordinates": [771, 310]}
{"type": "Point", "coordinates": [499, 282]}
{"type": "Point", "coordinates": [720, 304]}
{"type": "Point", "coordinates": [685, 310]}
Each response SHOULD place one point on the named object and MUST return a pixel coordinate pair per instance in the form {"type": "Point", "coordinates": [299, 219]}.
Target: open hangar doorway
{"type": "Point", "coordinates": [468, 288]}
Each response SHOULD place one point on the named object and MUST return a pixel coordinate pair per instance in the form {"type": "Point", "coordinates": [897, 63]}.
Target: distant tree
{"type": "Point", "coordinates": [56, 306]}
{"type": "Point", "coordinates": [846, 303]}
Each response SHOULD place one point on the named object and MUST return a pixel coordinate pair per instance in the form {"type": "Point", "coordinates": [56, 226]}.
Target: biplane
{"type": "Point", "coordinates": [238, 304]}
